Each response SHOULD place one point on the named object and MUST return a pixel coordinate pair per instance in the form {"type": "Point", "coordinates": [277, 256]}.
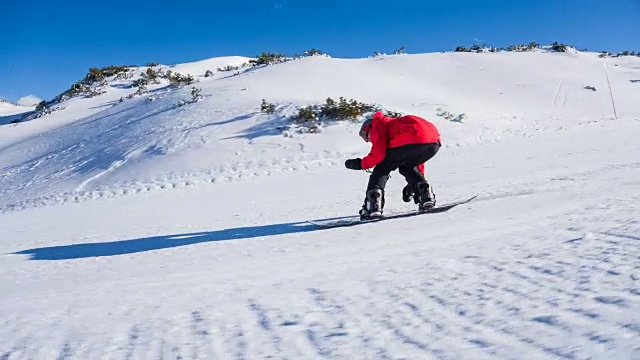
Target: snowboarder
{"type": "Point", "coordinates": [404, 143]}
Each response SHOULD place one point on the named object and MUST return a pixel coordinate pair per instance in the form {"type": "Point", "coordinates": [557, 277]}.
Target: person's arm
{"type": "Point", "coordinates": [378, 137]}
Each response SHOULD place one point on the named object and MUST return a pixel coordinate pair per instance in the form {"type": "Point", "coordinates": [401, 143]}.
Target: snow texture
{"type": "Point", "coordinates": [145, 230]}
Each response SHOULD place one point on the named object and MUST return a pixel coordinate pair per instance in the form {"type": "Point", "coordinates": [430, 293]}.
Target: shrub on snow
{"type": "Point", "coordinates": [559, 47]}
{"type": "Point", "coordinates": [399, 51]}
{"type": "Point", "coordinates": [178, 80]}
{"type": "Point", "coordinates": [266, 107]}
{"type": "Point", "coordinates": [523, 48]}
{"type": "Point", "coordinates": [196, 94]}
{"type": "Point", "coordinates": [268, 58]}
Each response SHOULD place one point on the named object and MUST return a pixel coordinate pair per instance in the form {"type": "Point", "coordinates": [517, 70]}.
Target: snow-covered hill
{"type": "Point", "coordinates": [10, 111]}
{"type": "Point", "coordinates": [158, 227]}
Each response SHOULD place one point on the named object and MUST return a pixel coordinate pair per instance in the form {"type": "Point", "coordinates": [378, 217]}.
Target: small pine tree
{"type": "Point", "coordinates": [196, 94]}
{"type": "Point", "coordinates": [267, 108]}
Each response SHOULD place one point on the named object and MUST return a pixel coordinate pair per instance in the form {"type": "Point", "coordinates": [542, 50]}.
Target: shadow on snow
{"type": "Point", "coordinates": [131, 246]}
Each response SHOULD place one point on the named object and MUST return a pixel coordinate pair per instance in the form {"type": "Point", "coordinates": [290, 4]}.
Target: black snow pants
{"type": "Point", "coordinates": [406, 159]}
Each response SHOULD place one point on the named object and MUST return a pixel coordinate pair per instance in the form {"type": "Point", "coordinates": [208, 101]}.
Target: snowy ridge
{"type": "Point", "coordinates": [143, 229]}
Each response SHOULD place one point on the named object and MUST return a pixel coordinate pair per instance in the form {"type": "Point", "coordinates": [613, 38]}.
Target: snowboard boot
{"type": "Point", "coordinates": [373, 205]}
{"type": "Point", "coordinates": [408, 194]}
{"type": "Point", "coordinates": [426, 199]}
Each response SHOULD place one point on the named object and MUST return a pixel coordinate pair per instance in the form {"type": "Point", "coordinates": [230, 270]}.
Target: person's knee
{"type": "Point", "coordinates": [406, 170]}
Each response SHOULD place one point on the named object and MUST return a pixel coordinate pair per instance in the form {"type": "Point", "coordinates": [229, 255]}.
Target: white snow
{"type": "Point", "coordinates": [200, 67]}
{"type": "Point", "coordinates": [144, 229]}
{"type": "Point", "coordinates": [8, 108]}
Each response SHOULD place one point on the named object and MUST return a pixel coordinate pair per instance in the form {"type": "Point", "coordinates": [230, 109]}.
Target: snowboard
{"type": "Point", "coordinates": [355, 220]}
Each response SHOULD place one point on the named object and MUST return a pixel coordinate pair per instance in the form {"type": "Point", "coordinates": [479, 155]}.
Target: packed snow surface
{"type": "Point", "coordinates": [152, 228]}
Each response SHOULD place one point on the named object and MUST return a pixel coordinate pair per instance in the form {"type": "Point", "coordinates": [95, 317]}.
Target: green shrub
{"type": "Point", "coordinates": [450, 116]}
{"type": "Point", "coordinates": [43, 112]}
{"type": "Point", "coordinates": [124, 75]}
{"type": "Point", "coordinates": [142, 88]}
{"type": "Point", "coordinates": [399, 51]}
{"type": "Point", "coordinates": [267, 108]}
{"type": "Point", "coordinates": [523, 48]}
{"type": "Point", "coordinates": [41, 105]}
{"type": "Point", "coordinates": [229, 68]}
{"type": "Point", "coordinates": [177, 79]}
{"type": "Point", "coordinates": [344, 109]}
{"type": "Point", "coordinates": [140, 82]}
{"type": "Point", "coordinates": [555, 46]}
{"type": "Point", "coordinates": [95, 74]}
{"type": "Point", "coordinates": [312, 52]}
{"type": "Point", "coordinates": [310, 118]}
{"type": "Point", "coordinates": [196, 94]}
{"type": "Point", "coordinates": [152, 75]}
{"type": "Point", "coordinates": [305, 115]}
{"type": "Point", "coordinates": [267, 58]}
{"type": "Point", "coordinates": [623, 53]}
{"type": "Point", "coordinates": [93, 92]}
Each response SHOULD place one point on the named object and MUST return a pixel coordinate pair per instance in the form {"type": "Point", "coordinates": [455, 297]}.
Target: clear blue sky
{"type": "Point", "coordinates": [47, 45]}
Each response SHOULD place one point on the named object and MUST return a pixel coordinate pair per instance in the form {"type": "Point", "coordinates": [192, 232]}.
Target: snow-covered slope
{"type": "Point", "coordinates": [10, 111]}
{"type": "Point", "coordinates": [106, 146]}
{"type": "Point", "coordinates": [213, 64]}
{"type": "Point", "coordinates": [146, 229]}
{"type": "Point", "coordinates": [9, 108]}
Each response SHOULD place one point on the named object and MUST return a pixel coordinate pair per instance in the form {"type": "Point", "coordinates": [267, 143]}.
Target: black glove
{"type": "Point", "coordinates": [353, 164]}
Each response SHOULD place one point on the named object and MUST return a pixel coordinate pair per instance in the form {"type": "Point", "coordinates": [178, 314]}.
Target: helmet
{"type": "Point", "coordinates": [366, 128]}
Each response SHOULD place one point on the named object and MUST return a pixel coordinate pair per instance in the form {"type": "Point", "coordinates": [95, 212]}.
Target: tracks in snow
{"type": "Point", "coordinates": [241, 171]}
{"type": "Point", "coordinates": [577, 299]}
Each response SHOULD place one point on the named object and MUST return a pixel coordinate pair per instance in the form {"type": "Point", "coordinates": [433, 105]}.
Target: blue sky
{"type": "Point", "coordinates": [47, 45]}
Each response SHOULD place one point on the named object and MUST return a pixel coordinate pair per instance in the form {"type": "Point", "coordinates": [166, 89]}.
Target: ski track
{"type": "Point", "coordinates": [569, 298]}
{"type": "Point", "coordinates": [498, 312]}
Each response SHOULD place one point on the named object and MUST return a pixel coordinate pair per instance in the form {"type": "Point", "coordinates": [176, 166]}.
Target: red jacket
{"type": "Point", "coordinates": [387, 132]}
